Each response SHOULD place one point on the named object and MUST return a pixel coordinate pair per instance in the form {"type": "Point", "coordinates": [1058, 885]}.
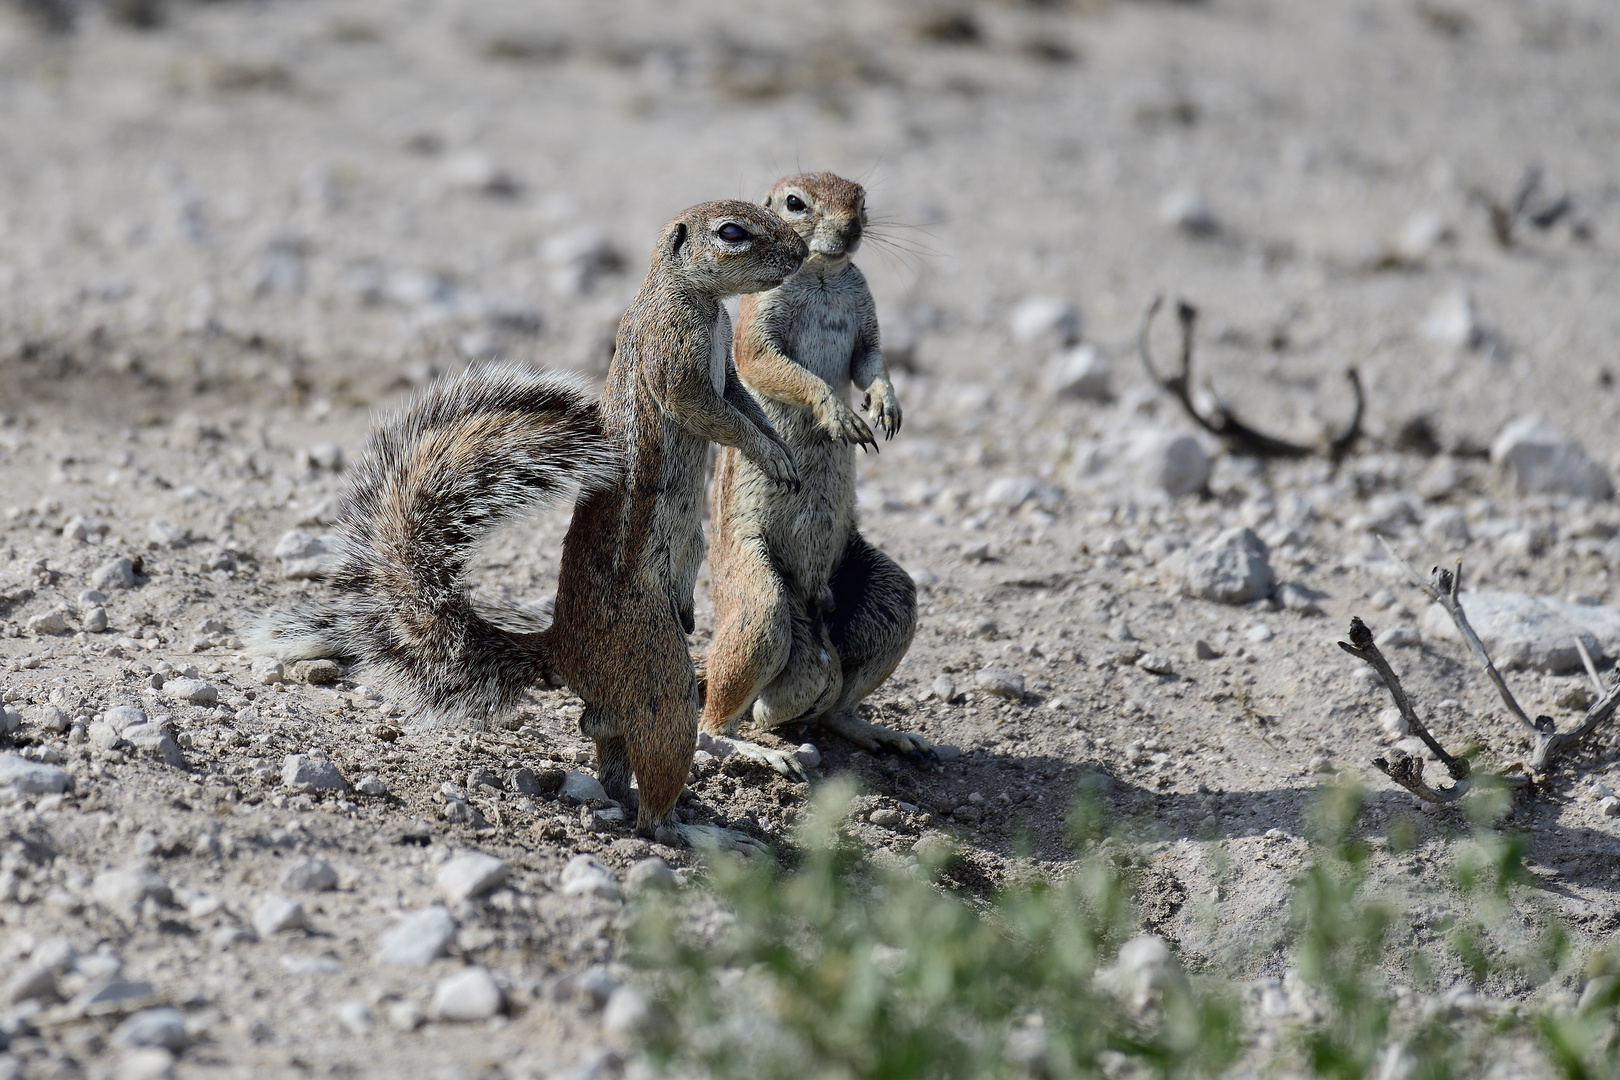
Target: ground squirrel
{"type": "Point", "coordinates": [810, 617]}
{"type": "Point", "coordinates": [478, 450]}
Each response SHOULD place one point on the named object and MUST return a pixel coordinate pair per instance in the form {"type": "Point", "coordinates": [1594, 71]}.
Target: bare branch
{"type": "Point", "coordinates": [1443, 589]}
{"type": "Point", "coordinates": [1221, 422]}
{"type": "Point", "coordinates": [1591, 668]}
{"type": "Point", "coordinates": [1550, 743]}
{"type": "Point", "coordinates": [1404, 770]}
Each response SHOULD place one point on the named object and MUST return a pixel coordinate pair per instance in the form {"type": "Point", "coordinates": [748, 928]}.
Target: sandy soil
{"type": "Point", "coordinates": [228, 239]}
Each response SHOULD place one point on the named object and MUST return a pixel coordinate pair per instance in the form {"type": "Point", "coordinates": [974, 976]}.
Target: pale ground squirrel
{"type": "Point", "coordinates": [477, 451]}
{"type": "Point", "coordinates": [810, 617]}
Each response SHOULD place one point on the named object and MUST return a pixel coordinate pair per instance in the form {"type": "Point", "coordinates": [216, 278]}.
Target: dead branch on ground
{"type": "Point", "coordinates": [1444, 587]}
{"type": "Point", "coordinates": [1221, 422]}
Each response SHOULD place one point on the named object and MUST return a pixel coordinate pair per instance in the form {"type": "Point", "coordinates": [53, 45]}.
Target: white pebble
{"type": "Point", "coordinates": [276, 913]}
{"type": "Point", "coordinates": [418, 939]}
{"type": "Point", "coordinates": [469, 875]}
{"type": "Point", "coordinates": [469, 994]}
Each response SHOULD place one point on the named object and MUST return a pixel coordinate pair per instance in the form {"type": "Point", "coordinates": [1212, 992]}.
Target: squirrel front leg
{"type": "Point", "coordinates": [688, 397]}
{"type": "Point", "coordinates": [870, 372]}
{"type": "Point", "coordinates": [772, 374]}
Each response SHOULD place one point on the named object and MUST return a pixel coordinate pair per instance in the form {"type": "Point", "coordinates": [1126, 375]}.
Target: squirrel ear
{"type": "Point", "coordinates": [675, 239]}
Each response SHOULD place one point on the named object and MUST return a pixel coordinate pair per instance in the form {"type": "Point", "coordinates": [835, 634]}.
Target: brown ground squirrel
{"type": "Point", "coordinates": [477, 451]}
{"type": "Point", "coordinates": [810, 617]}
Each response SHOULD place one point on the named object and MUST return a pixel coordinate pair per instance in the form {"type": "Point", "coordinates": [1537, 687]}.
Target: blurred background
{"type": "Point", "coordinates": [311, 205]}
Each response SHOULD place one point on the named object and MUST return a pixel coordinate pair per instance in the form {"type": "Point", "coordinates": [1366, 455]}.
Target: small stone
{"type": "Point", "coordinates": [1157, 664]}
{"type": "Point", "coordinates": [478, 777]}
{"type": "Point", "coordinates": [404, 1016]}
{"type": "Point", "coordinates": [191, 691]}
{"type": "Point", "coordinates": [1258, 633]}
{"type": "Point", "coordinates": [110, 994]}
{"type": "Point", "coordinates": [808, 755]}
{"type": "Point", "coordinates": [276, 913]}
{"type": "Point", "coordinates": [1010, 492]}
{"type": "Point", "coordinates": [1297, 598]}
{"type": "Point", "coordinates": [469, 875]}
{"type": "Point", "coordinates": [51, 623]}
{"type": "Point", "coordinates": [117, 573]}
{"type": "Point", "coordinates": [1000, 682]}
{"type": "Point", "coordinates": [943, 688]}
{"type": "Point", "coordinates": [306, 771]}
{"type": "Point", "coordinates": [1204, 650]}
{"type": "Point", "coordinates": [578, 257]}
{"type": "Point", "coordinates": [157, 741]}
{"type": "Point", "coordinates": [1081, 372]}
{"type": "Point", "coordinates": [593, 987]}
{"type": "Point", "coordinates": [127, 889]}
{"type": "Point", "coordinates": [146, 1063]}
{"type": "Point", "coordinates": [1401, 637]}
{"type": "Point", "coordinates": [10, 720]}
{"type": "Point", "coordinates": [585, 876]}
{"type": "Point", "coordinates": [1454, 322]}
{"type": "Point", "coordinates": [583, 787]}
{"type": "Point", "coordinates": [326, 455]}
{"type": "Point", "coordinates": [31, 981]}
{"type": "Point", "coordinates": [1418, 236]}
{"type": "Point", "coordinates": [309, 875]}
{"type": "Point", "coordinates": [418, 940]}
{"type": "Point", "coordinates": [1609, 806]}
{"type": "Point", "coordinates": [947, 752]}
{"type": "Point", "coordinates": [478, 173]}
{"type": "Point", "coordinates": [119, 717]}
{"type": "Point", "coordinates": [91, 597]}
{"type": "Point", "coordinates": [1231, 569]}
{"type": "Point", "coordinates": [371, 784]}
{"type": "Point", "coordinates": [1578, 697]}
{"type": "Point", "coordinates": [628, 1013]}
{"type": "Point", "coordinates": [354, 1016]}
{"type": "Point", "coordinates": [317, 672]}
{"type": "Point", "coordinates": [162, 1026]}
{"type": "Point", "coordinates": [469, 994]}
{"type": "Point", "coordinates": [304, 556]}
{"type": "Point", "coordinates": [162, 534]}
{"type": "Point", "coordinates": [1189, 211]}
{"type": "Point", "coordinates": [267, 671]}
{"type": "Point", "coordinates": [1393, 722]}
{"type": "Point", "coordinates": [50, 718]}
{"type": "Point", "coordinates": [1538, 458]}
{"type": "Point", "coordinates": [94, 620]}
{"type": "Point", "coordinates": [1169, 461]}
{"type": "Point", "coordinates": [1047, 319]}
{"type": "Point", "coordinates": [27, 777]}
{"type": "Point", "coordinates": [650, 874]}
{"type": "Point", "coordinates": [105, 736]}
{"type": "Point", "coordinates": [1145, 969]}
{"type": "Point", "coordinates": [884, 818]}
{"type": "Point", "coordinates": [1322, 763]}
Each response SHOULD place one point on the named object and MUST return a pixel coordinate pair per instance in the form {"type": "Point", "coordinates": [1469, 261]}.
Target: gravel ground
{"type": "Point", "coordinates": [229, 238]}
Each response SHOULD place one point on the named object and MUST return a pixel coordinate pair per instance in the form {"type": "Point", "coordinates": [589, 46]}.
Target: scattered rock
{"type": "Point", "coordinates": [1045, 319]}
{"type": "Point", "coordinates": [50, 718]}
{"type": "Point", "coordinates": [469, 994]}
{"type": "Point", "coordinates": [117, 573]}
{"type": "Point", "coordinates": [1298, 598]}
{"type": "Point", "coordinates": [628, 1013]}
{"type": "Point", "coordinates": [51, 623]}
{"type": "Point", "coordinates": [418, 940]}
{"type": "Point", "coordinates": [1204, 650]}
{"type": "Point", "coordinates": [162, 1026]}
{"type": "Point", "coordinates": [884, 818]}
{"type": "Point", "coordinates": [1145, 969]}
{"type": "Point", "coordinates": [1011, 492]}
{"type": "Point", "coordinates": [10, 720]}
{"type": "Point", "coordinates": [1231, 569]}
{"type": "Point", "coordinates": [162, 534]}
{"type": "Point", "coordinates": [943, 688]}
{"type": "Point", "coordinates": [404, 1016]}
{"type": "Point", "coordinates": [1080, 372]}
{"type": "Point", "coordinates": [650, 874]}
{"type": "Point", "coordinates": [305, 556]}
{"type": "Point", "coordinates": [1538, 458]}
{"type": "Point", "coordinates": [30, 981]}
{"type": "Point", "coordinates": [276, 913]}
{"type": "Point", "coordinates": [371, 784]}
{"type": "Point", "coordinates": [119, 717]}
{"type": "Point", "coordinates": [1418, 236]}
{"type": "Point", "coordinates": [127, 889]}
{"type": "Point", "coordinates": [1522, 631]}
{"type": "Point", "coordinates": [157, 741]}
{"type": "Point", "coordinates": [267, 671]}
{"type": "Point", "coordinates": [308, 771]}
{"type": "Point", "coordinates": [1259, 633]}
{"type": "Point", "coordinates": [808, 755]}
{"type": "Point", "coordinates": [94, 620]}
{"type": "Point", "coordinates": [317, 672]}
{"type": "Point", "coordinates": [191, 691]}
{"type": "Point", "coordinates": [32, 777]}
{"type": "Point", "coordinates": [585, 876]}
{"type": "Point", "coordinates": [146, 1063]}
{"type": "Point", "coordinates": [1188, 211]}
{"type": "Point", "coordinates": [583, 787]}
{"type": "Point", "coordinates": [1393, 722]}
{"type": "Point", "coordinates": [1169, 461]}
{"type": "Point", "coordinates": [1000, 682]}
{"type": "Point", "coordinates": [470, 874]}
{"type": "Point", "coordinates": [1454, 322]}
{"type": "Point", "coordinates": [578, 258]}
{"type": "Point", "coordinates": [1399, 637]}
{"type": "Point", "coordinates": [309, 875]}
{"type": "Point", "coordinates": [1157, 664]}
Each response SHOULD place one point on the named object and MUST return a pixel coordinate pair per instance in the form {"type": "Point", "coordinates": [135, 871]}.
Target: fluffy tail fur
{"type": "Point", "coordinates": [470, 454]}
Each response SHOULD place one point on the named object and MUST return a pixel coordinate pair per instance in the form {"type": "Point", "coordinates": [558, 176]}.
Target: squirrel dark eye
{"type": "Point", "coordinates": [795, 204]}
{"type": "Point", "coordinates": [732, 233]}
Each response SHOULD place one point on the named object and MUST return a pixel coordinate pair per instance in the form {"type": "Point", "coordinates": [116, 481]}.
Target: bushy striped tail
{"type": "Point", "coordinates": [470, 454]}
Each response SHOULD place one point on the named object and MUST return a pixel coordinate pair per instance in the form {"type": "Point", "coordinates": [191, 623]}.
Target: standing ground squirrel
{"type": "Point", "coordinates": [810, 617]}
{"type": "Point", "coordinates": [477, 451]}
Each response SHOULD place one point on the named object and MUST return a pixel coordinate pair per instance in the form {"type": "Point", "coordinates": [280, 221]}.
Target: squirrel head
{"type": "Point", "coordinates": [827, 210]}
{"type": "Point", "coordinates": [729, 247]}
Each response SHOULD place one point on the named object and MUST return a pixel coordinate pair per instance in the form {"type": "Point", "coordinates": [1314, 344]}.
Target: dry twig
{"type": "Point", "coordinates": [1221, 422]}
{"type": "Point", "coordinates": [1547, 741]}
{"type": "Point", "coordinates": [1402, 768]}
